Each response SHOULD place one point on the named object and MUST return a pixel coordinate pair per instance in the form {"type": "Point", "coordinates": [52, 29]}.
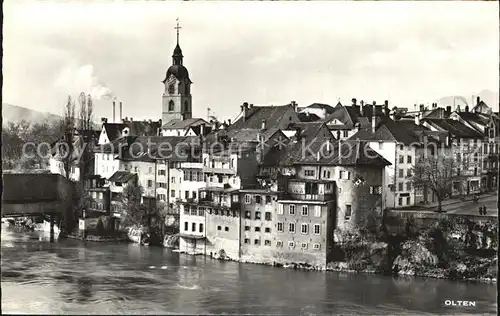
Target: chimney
{"type": "Point", "coordinates": [422, 109]}
{"type": "Point", "coordinates": [373, 122]}
{"type": "Point", "coordinates": [478, 99]}
{"type": "Point", "coordinates": [131, 119]}
{"type": "Point", "coordinates": [114, 110]}
{"type": "Point", "coordinates": [466, 108]}
{"type": "Point", "coordinates": [448, 110]}
{"type": "Point", "coordinates": [386, 108]}
{"type": "Point", "coordinates": [250, 106]}
{"type": "Point", "coordinates": [354, 102]}
{"type": "Point", "coordinates": [392, 114]}
{"type": "Point", "coordinates": [362, 108]}
{"type": "Point", "coordinates": [121, 111]}
{"type": "Point", "coordinates": [417, 119]}
{"type": "Point", "coordinates": [229, 122]}
{"type": "Point", "coordinates": [263, 125]}
{"type": "Point", "coordinates": [244, 110]}
{"type": "Point", "coordinates": [295, 105]}
{"type": "Point", "coordinates": [104, 120]}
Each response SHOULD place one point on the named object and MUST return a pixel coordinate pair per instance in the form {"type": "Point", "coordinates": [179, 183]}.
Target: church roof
{"type": "Point", "coordinates": [179, 72]}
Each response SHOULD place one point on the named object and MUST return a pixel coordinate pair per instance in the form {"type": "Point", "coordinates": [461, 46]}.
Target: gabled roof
{"type": "Point", "coordinates": [114, 130]}
{"type": "Point", "coordinates": [306, 149]}
{"type": "Point", "coordinates": [256, 114]}
{"type": "Point", "coordinates": [184, 124]}
{"type": "Point", "coordinates": [122, 176]}
{"type": "Point", "coordinates": [197, 130]}
{"type": "Point", "coordinates": [401, 131]}
{"type": "Point", "coordinates": [308, 117]}
{"type": "Point", "coordinates": [143, 128]}
{"type": "Point", "coordinates": [474, 117]}
{"type": "Point", "coordinates": [455, 127]}
{"type": "Point", "coordinates": [310, 130]}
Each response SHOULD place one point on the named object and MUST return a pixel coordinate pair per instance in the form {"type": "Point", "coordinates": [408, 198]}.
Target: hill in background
{"type": "Point", "coordinates": [16, 114]}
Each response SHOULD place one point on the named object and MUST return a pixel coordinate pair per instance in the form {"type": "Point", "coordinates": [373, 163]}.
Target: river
{"type": "Point", "coordinates": [74, 277]}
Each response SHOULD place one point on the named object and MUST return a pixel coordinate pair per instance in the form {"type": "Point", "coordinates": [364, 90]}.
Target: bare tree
{"type": "Point", "coordinates": [66, 148]}
{"type": "Point", "coordinates": [436, 173]}
{"type": "Point", "coordinates": [86, 112]}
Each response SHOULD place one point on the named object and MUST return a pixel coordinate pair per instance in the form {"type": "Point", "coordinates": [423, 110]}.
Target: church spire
{"type": "Point", "coordinates": [177, 28]}
{"type": "Point", "coordinates": [177, 56]}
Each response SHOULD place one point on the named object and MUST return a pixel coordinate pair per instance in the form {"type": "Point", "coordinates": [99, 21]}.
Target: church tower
{"type": "Point", "coordinates": [176, 103]}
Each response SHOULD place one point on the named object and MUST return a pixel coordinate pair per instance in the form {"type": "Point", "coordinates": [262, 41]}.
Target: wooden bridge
{"type": "Point", "coordinates": [47, 195]}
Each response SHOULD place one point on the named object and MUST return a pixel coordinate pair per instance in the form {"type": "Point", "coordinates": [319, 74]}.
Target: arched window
{"type": "Point", "coordinates": [171, 106]}
{"type": "Point", "coordinates": [186, 106]}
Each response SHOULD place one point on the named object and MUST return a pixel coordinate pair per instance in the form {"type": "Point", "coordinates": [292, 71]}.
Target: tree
{"type": "Point", "coordinates": [86, 112]}
{"type": "Point", "coordinates": [436, 173]}
{"type": "Point", "coordinates": [133, 211]}
{"type": "Point", "coordinates": [66, 147]}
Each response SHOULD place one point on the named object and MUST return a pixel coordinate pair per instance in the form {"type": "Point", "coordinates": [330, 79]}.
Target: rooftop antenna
{"type": "Point", "coordinates": [177, 28]}
{"type": "Point", "coordinates": [208, 113]}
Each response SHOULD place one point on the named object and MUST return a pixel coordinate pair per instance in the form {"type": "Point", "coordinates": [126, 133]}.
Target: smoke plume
{"type": "Point", "coordinates": [75, 79]}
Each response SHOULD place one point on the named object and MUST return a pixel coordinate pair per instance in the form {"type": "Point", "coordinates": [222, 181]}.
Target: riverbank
{"type": "Point", "coordinates": [120, 238]}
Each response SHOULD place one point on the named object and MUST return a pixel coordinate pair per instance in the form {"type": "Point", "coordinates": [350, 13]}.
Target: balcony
{"type": "Point", "coordinates": [219, 170]}
{"type": "Point", "coordinates": [306, 197]}
{"type": "Point", "coordinates": [227, 206]}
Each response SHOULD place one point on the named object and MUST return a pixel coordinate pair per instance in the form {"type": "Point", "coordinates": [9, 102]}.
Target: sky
{"type": "Point", "coordinates": [265, 53]}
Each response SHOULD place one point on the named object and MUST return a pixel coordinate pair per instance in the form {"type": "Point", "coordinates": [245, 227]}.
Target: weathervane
{"type": "Point", "coordinates": [177, 28]}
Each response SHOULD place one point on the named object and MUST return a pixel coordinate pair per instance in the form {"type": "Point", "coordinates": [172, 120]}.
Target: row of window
{"type": "Point", "coordinates": [402, 159]}
{"type": "Point", "coordinates": [279, 244]}
{"type": "Point", "coordinates": [96, 206]}
{"type": "Point", "coordinates": [402, 173]}
{"type": "Point", "coordinates": [343, 175]}
{"type": "Point", "coordinates": [96, 195]}
{"type": "Point", "coordinates": [223, 165]}
{"type": "Point", "coordinates": [304, 228]}
{"type": "Point", "coordinates": [258, 199]}
{"type": "Point", "coordinates": [193, 227]}
{"type": "Point", "coordinates": [257, 229]}
{"type": "Point", "coordinates": [193, 211]}
{"type": "Point", "coordinates": [304, 210]}
{"type": "Point", "coordinates": [267, 215]}
{"type": "Point", "coordinates": [401, 186]}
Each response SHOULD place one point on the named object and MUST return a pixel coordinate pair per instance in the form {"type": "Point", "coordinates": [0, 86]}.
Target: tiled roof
{"type": "Point", "coordinates": [114, 130]}
{"type": "Point", "coordinates": [121, 176]}
{"type": "Point", "coordinates": [184, 124]}
{"type": "Point", "coordinates": [401, 131]}
{"type": "Point", "coordinates": [256, 114]}
{"type": "Point", "coordinates": [455, 127]}
{"type": "Point", "coordinates": [143, 128]}
{"type": "Point", "coordinates": [305, 151]}
{"type": "Point", "coordinates": [308, 117]}
{"type": "Point", "coordinates": [475, 117]}
{"type": "Point", "coordinates": [310, 130]}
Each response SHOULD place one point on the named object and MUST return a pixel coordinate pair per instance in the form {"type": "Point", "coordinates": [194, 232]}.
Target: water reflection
{"type": "Point", "coordinates": [70, 276]}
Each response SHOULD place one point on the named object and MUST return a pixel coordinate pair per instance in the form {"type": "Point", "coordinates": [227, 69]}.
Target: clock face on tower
{"type": "Point", "coordinates": [171, 88]}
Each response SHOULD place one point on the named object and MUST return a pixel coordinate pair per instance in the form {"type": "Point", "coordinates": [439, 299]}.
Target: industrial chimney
{"type": "Point", "coordinates": [114, 111]}
{"type": "Point", "coordinates": [121, 111]}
